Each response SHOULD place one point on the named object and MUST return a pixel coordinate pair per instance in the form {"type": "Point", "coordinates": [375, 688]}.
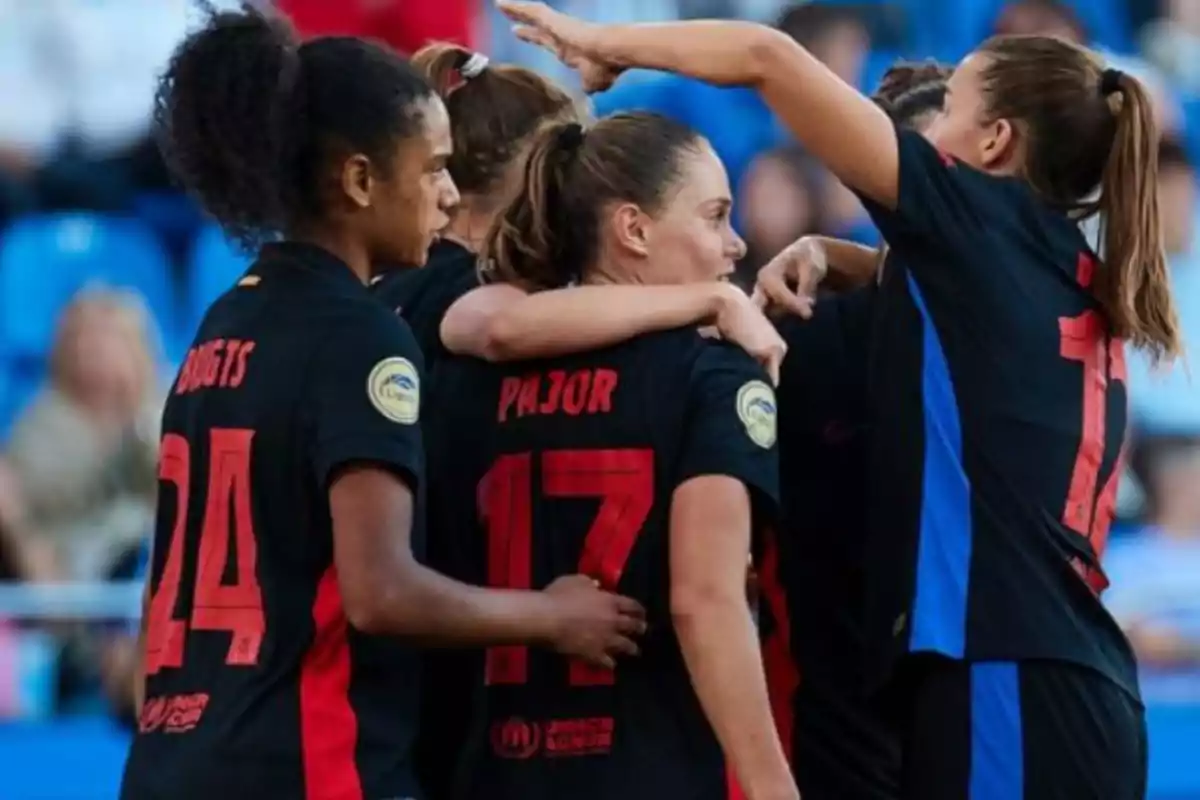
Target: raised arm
{"type": "Point", "coordinates": [844, 129]}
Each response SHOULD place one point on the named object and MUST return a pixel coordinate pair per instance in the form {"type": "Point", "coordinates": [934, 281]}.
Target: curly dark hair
{"type": "Point", "coordinates": [910, 89]}
{"type": "Point", "coordinates": [247, 117]}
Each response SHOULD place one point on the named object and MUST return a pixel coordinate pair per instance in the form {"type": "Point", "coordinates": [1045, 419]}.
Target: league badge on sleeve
{"type": "Point", "coordinates": [756, 409]}
{"type": "Point", "coordinates": [394, 388]}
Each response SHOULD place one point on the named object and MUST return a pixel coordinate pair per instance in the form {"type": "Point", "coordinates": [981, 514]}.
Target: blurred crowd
{"type": "Point", "coordinates": [104, 268]}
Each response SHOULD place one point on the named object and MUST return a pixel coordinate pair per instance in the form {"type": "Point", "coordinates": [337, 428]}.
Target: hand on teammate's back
{"type": "Point", "coordinates": [593, 624]}
{"type": "Point", "coordinates": [789, 281]}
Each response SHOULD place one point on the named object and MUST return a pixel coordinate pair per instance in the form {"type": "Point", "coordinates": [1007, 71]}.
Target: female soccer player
{"type": "Point", "coordinates": [289, 533]}
{"type": "Point", "coordinates": [998, 409]}
{"type": "Point", "coordinates": [495, 110]}
{"type": "Point", "coordinates": [812, 585]}
{"type": "Point", "coordinates": [648, 464]}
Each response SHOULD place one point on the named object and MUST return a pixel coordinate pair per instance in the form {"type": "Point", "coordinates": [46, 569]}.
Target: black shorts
{"type": "Point", "coordinates": [1031, 730]}
{"type": "Point", "coordinates": [842, 749]}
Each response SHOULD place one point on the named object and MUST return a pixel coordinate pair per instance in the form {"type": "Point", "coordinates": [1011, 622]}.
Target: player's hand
{"type": "Point", "coordinates": [742, 322]}
{"type": "Point", "coordinates": [593, 624]}
{"type": "Point", "coordinates": [573, 41]}
{"type": "Point", "coordinates": [789, 281]}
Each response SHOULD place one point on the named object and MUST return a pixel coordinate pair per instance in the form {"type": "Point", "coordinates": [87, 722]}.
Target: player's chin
{"type": "Point", "coordinates": [420, 253]}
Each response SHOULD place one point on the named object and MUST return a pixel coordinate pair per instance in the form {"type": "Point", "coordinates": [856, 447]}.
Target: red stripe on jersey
{"type": "Point", "coordinates": [783, 678]}
{"type": "Point", "coordinates": [328, 726]}
{"type": "Point", "coordinates": [734, 791]}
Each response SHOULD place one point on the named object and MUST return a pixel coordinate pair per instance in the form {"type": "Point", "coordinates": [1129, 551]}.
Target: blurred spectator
{"type": "Point", "coordinates": [403, 24]}
{"type": "Point", "coordinates": [1173, 43]}
{"type": "Point", "coordinates": [85, 451]}
{"type": "Point", "coordinates": [736, 121]}
{"type": "Point", "coordinates": [1168, 399]}
{"type": "Point", "coordinates": [119, 647]}
{"type": "Point", "coordinates": [1156, 573]}
{"type": "Point", "coordinates": [1057, 18]}
{"type": "Point", "coordinates": [78, 80]}
{"type": "Point", "coordinates": [780, 202]}
{"type": "Point", "coordinates": [948, 29]}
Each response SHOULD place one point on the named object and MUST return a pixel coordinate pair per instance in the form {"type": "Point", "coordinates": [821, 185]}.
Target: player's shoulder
{"type": "Point", "coordinates": [684, 343]}
{"type": "Point", "coordinates": [714, 356]}
{"type": "Point", "coordinates": [450, 271]}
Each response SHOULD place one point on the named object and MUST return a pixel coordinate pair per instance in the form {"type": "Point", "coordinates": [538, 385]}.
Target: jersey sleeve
{"type": "Point", "coordinates": [365, 396]}
{"type": "Point", "coordinates": [943, 203]}
{"type": "Point", "coordinates": [731, 423]}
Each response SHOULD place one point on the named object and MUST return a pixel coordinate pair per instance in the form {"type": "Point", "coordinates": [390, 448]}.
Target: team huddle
{"type": "Point", "coordinates": [484, 482]}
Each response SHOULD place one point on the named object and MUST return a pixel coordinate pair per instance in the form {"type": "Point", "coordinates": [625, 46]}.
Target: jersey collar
{"type": "Point", "coordinates": [309, 257]}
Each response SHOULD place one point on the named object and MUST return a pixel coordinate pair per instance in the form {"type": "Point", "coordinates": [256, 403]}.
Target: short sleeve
{"type": "Point", "coordinates": [943, 203]}
{"type": "Point", "coordinates": [731, 423]}
{"type": "Point", "coordinates": [365, 395]}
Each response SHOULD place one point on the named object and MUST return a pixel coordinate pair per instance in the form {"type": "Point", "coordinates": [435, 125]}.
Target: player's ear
{"type": "Point", "coordinates": [631, 228]}
{"type": "Point", "coordinates": [357, 180]}
{"type": "Point", "coordinates": [999, 145]}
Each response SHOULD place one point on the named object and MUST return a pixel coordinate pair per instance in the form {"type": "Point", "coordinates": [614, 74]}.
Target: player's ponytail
{"type": "Point", "coordinates": [494, 111]}
{"type": "Point", "coordinates": [534, 243]}
{"type": "Point", "coordinates": [1091, 146]}
{"type": "Point", "coordinates": [1134, 285]}
{"type": "Point", "coordinates": [222, 110]}
{"type": "Point", "coordinates": [549, 234]}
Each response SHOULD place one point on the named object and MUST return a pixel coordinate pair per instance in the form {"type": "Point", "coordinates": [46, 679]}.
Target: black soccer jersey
{"type": "Point", "coordinates": [255, 684]}
{"type": "Point", "coordinates": [583, 456]}
{"type": "Point", "coordinates": [812, 591]}
{"type": "Point", "coordinates": [998, 413]}
{"type": "Point", "coordinates": [423, 296]}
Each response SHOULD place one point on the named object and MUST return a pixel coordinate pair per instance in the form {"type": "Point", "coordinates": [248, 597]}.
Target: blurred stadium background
{"type": "Point", "coordinates": [105, 271]}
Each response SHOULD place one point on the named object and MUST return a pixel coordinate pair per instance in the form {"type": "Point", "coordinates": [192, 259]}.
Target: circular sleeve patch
{"type": "Point", "coordinates": [394, 388]}
{"type": "Point", "coordinates": [756, 409]}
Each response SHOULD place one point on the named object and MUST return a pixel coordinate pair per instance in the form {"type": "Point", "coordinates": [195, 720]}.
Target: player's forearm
{"type": "Point", "coordinates": [563, 321]}
{"type": "Point", "coordinates": [715, 51]}
{"type": "Point", "coordinates": [720, 648]}
{"type": "Point", "coordinates": [439, 611]}
{"type": "Point", "coordinates": [851, 265]}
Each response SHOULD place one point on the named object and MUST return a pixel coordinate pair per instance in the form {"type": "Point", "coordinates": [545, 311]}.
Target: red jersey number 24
{"type": "Point", "coordinates": [235, 607]}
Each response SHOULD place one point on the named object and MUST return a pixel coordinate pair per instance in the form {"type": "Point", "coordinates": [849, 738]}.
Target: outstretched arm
{"type": "Point", "coordinates": [845, 130]}
{"type": "Point", "coordinates": [501, 322]}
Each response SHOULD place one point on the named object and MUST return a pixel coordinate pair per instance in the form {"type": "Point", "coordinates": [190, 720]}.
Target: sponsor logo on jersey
{"type": "Point", "coordinates": [394, 388]}
{"type": "Point", "coordinates": [756, 409]}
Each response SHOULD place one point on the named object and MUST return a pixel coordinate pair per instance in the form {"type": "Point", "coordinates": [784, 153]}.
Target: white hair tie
{"type": "Point", "coordinates": [476, 64]}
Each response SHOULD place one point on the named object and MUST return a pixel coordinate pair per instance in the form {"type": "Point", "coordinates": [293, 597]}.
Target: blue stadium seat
{"type": "Point", "coordinates": [45, 260]}
{"type": "Point", "coordinates": [215, 265]}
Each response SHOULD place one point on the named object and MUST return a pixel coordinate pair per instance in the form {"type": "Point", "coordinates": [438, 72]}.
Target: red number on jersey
{"type": "Point", "coordinates": [1088, 512]}
{"type": "Point", "coordinates": [624, 482]}
{"type": "Point", "coordinates": [235, 607]}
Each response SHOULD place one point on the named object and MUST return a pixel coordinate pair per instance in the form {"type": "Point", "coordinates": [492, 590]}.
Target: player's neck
{"type": "Point", "coordinates": [354, 256]}
{"type": "Point", "coordinates": [470, 225]}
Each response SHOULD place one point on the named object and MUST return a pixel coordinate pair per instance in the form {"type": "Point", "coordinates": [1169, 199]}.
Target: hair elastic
{"type": "Point", "coordinates": [571, 136]}
{"type": "Point", "coordinates": [474, 66]}
{"type": "Point", "coordinates": [1110, 81]}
